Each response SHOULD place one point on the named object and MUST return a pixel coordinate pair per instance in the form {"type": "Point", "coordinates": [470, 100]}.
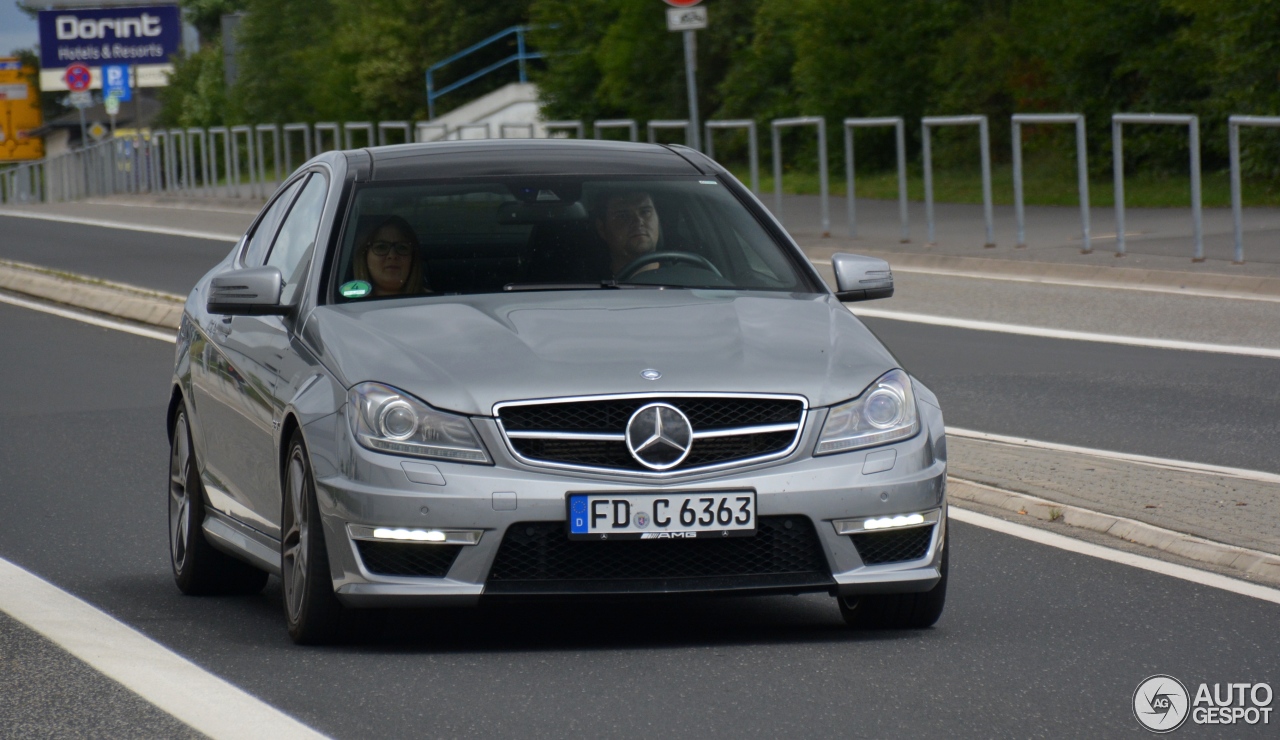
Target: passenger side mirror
{"type": "Point", "coordinates": [861, 278]}
{"type": "Point", "coordinates": [251, 292]}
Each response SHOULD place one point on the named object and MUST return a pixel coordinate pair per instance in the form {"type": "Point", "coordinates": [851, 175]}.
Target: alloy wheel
{"type": "Point", "coordinates": [294, 562]}
{"type": "Point", "coordinates": [179, 495]}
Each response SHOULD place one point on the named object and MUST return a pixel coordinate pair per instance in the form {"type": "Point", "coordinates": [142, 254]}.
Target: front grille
{"type": "Point", "coordinates": [893, 546]}
{"type": "Point", "coordinates": [705, 414]}
{"type": "Point", "coordinates": [538, 557]}
{"type": "Point", "coordinates": [407, 559]}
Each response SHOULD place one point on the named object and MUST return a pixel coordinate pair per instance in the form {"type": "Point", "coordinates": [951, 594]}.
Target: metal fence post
{"type": "Point", "coordinates": [305, 130]}
{"type": "Point", "coordinates": [823, 185]}
{"type": "Point", "coordinates": [653, 127]}
{"type": "Point", "coordinates": [384, 127]}
{"type": "Point", "coordinates": [900, 140]}
{"type": "Point", "coordinates": [320, 128]}
{"type": "Point", "coordinates": [531, 128]}
{"type": "Point", "coordinates": [422, 127]}
{"type": "Point", "coordinates": [575, 126]}
{"type": "Point", "coordinates": [258, 131]}
{"type": "Point", "coordinates": [1082, 172]}
{"type": "Point", "coordinates": [463, 128]}
{"type": "Point", "coordinates": [984, 147]}
{"type": "Point", "coordinates": [1234, 123]}
{"type": "Point", "coordinates": [628, 123]}
{"type": "Point", "coordinates": [249, 158]}
{"type": "Point", "coordinates": [753, 146]}
{"type": "Point", "coordinates": [349, 128]}
{"type": "Point", "coordinates": [225, 133]}
{"type": "Point", "coordinates": [195, 135]}
{"type": "Point", "coordinates": [1193, 137]}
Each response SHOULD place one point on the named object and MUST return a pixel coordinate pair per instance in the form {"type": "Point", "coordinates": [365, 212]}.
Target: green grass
{"type": "Point", "coordinates": [1043, 186]}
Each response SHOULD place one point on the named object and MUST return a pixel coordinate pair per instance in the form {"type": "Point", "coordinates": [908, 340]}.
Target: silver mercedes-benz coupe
{"type": "Point", "coordinates": [434, 374]}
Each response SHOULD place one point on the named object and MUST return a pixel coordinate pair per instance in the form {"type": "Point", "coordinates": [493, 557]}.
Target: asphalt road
{"type": "Point", "coordinates": [156, 261]}
{"type": "Point", "coordinates": [1035, 641]}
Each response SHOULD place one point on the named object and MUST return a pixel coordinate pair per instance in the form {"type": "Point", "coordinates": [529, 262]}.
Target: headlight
{"type": "Point", "coordinates": [886, 411]}
{"type": "Point", "coordinates": [388, 420]}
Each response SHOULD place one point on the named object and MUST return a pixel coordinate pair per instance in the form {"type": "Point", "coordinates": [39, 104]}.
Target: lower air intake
{"type": "Point", "coordinates": [893, 546]}
{"type": "Point", "coordinates": [407, 559]}
{"type": "Point", "coordinates": [538, 557]}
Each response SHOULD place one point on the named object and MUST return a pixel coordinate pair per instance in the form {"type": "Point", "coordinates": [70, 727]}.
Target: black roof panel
{"type": "Point", "coordinates": [494, 157]}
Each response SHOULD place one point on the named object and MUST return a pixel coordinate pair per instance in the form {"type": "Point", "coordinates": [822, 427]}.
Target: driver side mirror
{"type": "Point", "coordinates": [251, 292]}
{"type": "Point", "coordinates": [861, 278]}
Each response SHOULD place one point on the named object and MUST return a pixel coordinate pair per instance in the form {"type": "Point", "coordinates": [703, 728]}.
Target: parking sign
{"type": "Point", "coordinates": [115, 82]}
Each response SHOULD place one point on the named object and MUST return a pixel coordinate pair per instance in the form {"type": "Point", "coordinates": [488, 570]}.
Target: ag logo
{"type": "Point", "coordinates": [1160, 703]}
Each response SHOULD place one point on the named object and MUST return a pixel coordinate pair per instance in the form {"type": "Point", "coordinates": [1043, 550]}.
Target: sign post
{"type": "Point", "coordinates": [78, 80]}
{"type": "Point", "coordinates": [684, 16]}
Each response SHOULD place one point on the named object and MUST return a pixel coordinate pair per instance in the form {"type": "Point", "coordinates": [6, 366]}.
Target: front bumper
{"type": "Point", "coordinates": [359, 490]}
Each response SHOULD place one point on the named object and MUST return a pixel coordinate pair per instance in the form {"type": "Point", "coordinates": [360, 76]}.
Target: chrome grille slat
{"type": "Point", "coordinates": [588, 433]}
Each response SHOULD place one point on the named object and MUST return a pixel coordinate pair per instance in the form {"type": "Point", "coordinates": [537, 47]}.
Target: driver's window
{"type": "Point", "coordinates": [266, 229]}
{"type": "Point", "coordinates": [298, 235]}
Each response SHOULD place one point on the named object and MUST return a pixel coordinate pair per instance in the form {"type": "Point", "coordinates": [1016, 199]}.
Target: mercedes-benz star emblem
{"type": "Point", "coordinates": [650, 374]}
{"type": "Point", "coordinates": [659, 436]}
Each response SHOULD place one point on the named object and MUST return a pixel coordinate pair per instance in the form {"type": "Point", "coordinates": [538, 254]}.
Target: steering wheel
{"type": "Point", "coordinates": [633, 267]}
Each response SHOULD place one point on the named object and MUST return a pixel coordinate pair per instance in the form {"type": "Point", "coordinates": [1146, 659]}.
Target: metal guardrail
{"type": "Point", "coordinates": [522, 56]}
{"type": "Point", "coordinates": [1082, 172]}
{"type": "Point", "coordinates": [1234, 123]}
{"type": "Point", "coordinates": [503, 128]}
{"type": "Point", "coordinates": [900, 142]}
{"type": "Point", "coordinates": [233, 161]}
{"type": "Point", "coordinates": [1117, 152]}
{"type": "Point", "coordinates": [671, 125]}
{"type": "Point", "coordinates": [984, 144]}
{"type": "Point", "coordinates": [820, 125]}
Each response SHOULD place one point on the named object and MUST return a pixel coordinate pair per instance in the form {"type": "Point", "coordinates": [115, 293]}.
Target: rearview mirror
{"type": "Point", "coordinates": [861, 278]}
{"type": "Point", "coordinates": [251, 292]}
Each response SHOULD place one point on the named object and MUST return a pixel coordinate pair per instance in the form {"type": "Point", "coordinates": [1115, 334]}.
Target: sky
{"type": "Point", "coordinates": [17, 31]}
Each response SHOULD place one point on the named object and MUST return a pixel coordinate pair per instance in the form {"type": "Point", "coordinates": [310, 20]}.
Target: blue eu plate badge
{"type": "Point", "coordinates": [578, 514]}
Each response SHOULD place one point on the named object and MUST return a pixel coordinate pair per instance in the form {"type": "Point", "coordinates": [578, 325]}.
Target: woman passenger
{"type": "Point", "coordinates": [388, 259]}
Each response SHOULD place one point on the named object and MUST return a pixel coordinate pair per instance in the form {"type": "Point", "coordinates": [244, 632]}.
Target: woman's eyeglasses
{"type": "Point", "coordinates": [382, 249]}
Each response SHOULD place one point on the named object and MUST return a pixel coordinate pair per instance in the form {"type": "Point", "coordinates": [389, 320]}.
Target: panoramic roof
{"type": "Point", "coordinates": [493, 157]}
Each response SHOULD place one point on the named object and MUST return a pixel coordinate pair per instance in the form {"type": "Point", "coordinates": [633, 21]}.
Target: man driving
{"type": "Point", "coordinates": [628, 224]}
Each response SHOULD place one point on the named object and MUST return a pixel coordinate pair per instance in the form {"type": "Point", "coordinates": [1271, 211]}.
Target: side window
{"type": "Point", "coordinates": [261, 238]}
{"type": "Point", "coordinates": [298, 236]}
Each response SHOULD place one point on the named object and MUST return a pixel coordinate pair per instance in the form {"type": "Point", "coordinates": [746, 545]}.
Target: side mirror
{"type": "Point", "coordinates": [861, 278]}
{"type": "Point", "coordinates": [251, 292]}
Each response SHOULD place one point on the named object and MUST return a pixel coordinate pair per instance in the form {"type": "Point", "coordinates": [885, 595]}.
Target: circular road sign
{"type": "Point", "coordinates": [77, 78]}
{"type": "Point", "coordinates": [682, 3]}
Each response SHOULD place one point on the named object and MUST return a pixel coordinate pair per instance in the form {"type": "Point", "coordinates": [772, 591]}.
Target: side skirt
{"type": "Point", "coordinates": [243, 542]}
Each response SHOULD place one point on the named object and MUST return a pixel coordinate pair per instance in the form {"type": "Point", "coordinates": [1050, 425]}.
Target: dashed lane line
{"type": "Point", "coordinates": [166, 230]}
{"type": "Point", "coordinates": [1070, 544]}
{"type": "Point", "coordinates": [193, 695]}
{"type": "Point", "coordinates": [1080, 336]}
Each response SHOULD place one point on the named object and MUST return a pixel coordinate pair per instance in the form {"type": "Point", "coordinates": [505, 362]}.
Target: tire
{"type": "Point", "coordinates": [312, 610]}
{"type": "Point", "coordinates": [897, 611]}
{"type": "Point", "coordinates": [198, 568]}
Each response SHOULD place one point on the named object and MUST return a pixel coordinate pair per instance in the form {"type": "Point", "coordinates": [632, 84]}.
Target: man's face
{"type": "Point", "coordinates": [629, 226]}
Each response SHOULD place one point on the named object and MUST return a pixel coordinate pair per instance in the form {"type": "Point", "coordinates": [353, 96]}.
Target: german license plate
{"type": "Point", "coordinates": [660, 516]}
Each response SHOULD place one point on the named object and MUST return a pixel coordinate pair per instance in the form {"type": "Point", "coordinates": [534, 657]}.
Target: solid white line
{"type": "Point", "coordinates": [1081, 336]}
{"type": "Point", "coordinates": [212, 236]}
{"type": "Point", "coordinates": [174, 684]}
{"type": "Point", "coordinates": [1160, 462]}
{"type": "Point", "coordinates": [89, 318]}
{"type": "Point", "coordinates": [1196, 292]}
{"type": "Point", "coordinates": [1081, 547]}
{"type": "Point", "coordinates": [172, 206]}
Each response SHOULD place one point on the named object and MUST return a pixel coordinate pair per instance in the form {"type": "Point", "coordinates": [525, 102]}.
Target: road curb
{"type": "Point", "coordinates": [1263, 566]}
{"type": "Point", "coordinates": [154, 308]}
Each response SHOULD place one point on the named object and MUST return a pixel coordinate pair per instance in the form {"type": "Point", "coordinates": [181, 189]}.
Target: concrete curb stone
{"type": "Point", "coordinates": [114, 299]}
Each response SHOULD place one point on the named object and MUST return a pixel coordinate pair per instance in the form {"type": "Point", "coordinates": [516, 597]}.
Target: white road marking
{"type": "Point", "coordinates": [189, 233]}
{"type": "Point", "coordinates": [1159, 462]}
{"type": "Point", "coordinates": [1081, 336]}
{"type": "Point", "coordinates": [172, 206]}
{"type": "Point", "coordinates": [174, 684]}
{"type": "Point", "coordinates": [88, 318]}
{"type": "Point", "coordinates": [1196, 292]}
{"type": "Point", "coordinates": [1062, 542]}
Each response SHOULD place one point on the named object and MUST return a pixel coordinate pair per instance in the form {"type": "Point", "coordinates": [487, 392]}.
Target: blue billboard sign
{"type": "Point", "coordinates": [102, 36]}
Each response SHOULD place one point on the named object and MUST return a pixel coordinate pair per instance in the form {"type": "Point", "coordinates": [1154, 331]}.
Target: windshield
{"type": "Point", "coordinates": [555, 234]}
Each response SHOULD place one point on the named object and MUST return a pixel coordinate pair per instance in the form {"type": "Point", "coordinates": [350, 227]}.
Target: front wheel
{"type": "Point", "coordinates": [198, 569]}
{"type": "Point", "coordinates": [312, 610]}
{"type": "Point", "coordinates": [897, 611]}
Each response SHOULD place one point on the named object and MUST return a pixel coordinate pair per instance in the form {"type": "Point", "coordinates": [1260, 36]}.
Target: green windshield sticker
{"type": "Point", "coordinates": [355, 289]}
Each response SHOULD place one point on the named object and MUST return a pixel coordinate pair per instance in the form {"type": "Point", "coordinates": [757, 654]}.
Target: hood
{"type": "Point", "coordinates": [466, 353]}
